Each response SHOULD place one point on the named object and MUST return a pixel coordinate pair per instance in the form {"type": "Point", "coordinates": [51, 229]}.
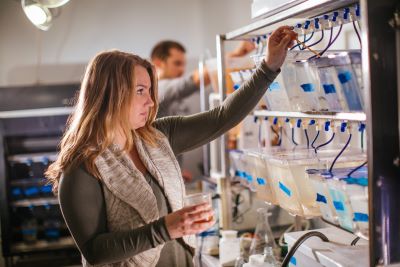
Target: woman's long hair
{"type": "Point", "coordinates": [104, 100]}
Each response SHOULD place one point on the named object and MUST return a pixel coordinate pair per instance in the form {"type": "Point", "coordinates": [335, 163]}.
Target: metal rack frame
{"type": "Point", "coordinates": [381, 116]}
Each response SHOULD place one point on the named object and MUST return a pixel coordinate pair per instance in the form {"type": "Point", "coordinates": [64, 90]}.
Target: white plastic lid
{"type": "Point", "coordinates": [229, 234]}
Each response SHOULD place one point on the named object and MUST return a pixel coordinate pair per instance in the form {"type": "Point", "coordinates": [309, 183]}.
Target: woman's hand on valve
{"type": "Point", "coordinates": [278, 44]}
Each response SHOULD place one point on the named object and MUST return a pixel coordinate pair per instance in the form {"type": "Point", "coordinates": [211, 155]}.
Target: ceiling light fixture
{"type": "Point", "coordinates": [39, 13]}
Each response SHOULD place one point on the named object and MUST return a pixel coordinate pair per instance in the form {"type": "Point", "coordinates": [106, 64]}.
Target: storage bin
{"type": "Point", "coordinates": [236, 168]}
{"type": "Point", "coordinates": [355, 190]}
{"type": "Point", "coordinates": [249, 171]}
{"type": "Point", "coordinates": [323, 198]}
{"type": "Point", "coordinates": [302, 86]}
{"type": "Point", "coordinates": [355, 59]}
{"type": "Point", "coordinates": [263, 182]}
{"type": "Point", "coordinates": [276, 96]}
{"type": "Point", "coordinates": [331, 89]}
{"type": "Point", "coordinates": [294, 191]}
{"type": "Point", "coordinates": [348, 81]}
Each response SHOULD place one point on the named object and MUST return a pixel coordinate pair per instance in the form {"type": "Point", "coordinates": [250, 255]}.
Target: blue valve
{"type": "Point", "coordinates": [275, 121]}
{"type": "Point", "coordinates": [327, 124]}
{"type": "Point", "coordinates": [255, 119]}
{"type": "Point", "coordinates": [346, 13]}
{"type": "Point", "coordinates": [361, 127]}
{"type": "Point", "coordinates": [236, 86]}
{"type": "Point", "coordinates": [357, 10]}
{"type": "Point", "coordinates": [258, 39]}
{"type": "Point", "coordinates": [343, 127]}
{"type": "Point", "coordinates": [287, 120]}
{"type": "Point", "coordinates": [316, 23]}
{"type": "Point", "coordinates": [307, 24]}
{"type": "Point", "coordinates": [298, 123]}
{"type": "Point", "coordinates": [298, 25]}
{"type": "Point", "coordinates": [312, 122]}
{"type": "Point", "coordinates": [326, 17]}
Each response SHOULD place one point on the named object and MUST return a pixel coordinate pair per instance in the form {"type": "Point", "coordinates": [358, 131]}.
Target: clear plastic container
{"type": "Point", "coordinates": [294, 191]}
{"type": "Point", "coordinates": [263, 237]}
{"type": "Point", "coordinates": [263, 183]}
{"type": "Point", "coordinates": [237, 166]}
{"type": "Point", "coordinates": [348, 81]}
{"type": "Point", "coordinates": [237, 79]}
{"type": "Point", "coordinates": [355, 58]}
{"type": "Point", "coordinates": [323, 197]}
{"type": "Point", "coordinates": [331, 88]}
{"type": "Point", "coordinates": [249, 171]}
{"type": "Point", "coordinates": [356, 189]}
{"type": "Point", "coordinates": [302, 86]}
{"type": "Point", "coordinates": [276, 96]}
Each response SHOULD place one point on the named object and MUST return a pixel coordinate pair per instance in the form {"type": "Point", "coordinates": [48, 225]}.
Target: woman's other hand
{"type": "Point", "coordinates": [278, 44]}
{"type": "Point", "coordinates": [189, 220]}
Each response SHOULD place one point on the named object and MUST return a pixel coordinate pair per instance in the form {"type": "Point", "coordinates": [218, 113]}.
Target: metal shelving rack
{"type": "Point", "coordinates": [30, 130]}
{"type": "Point", "coordinates": [351, 116]}
{"type": "Point", "coordinates": [381, 116]}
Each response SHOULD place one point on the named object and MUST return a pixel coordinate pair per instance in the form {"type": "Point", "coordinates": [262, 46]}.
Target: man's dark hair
{"type": "Point", "coordinates": [161, 50]}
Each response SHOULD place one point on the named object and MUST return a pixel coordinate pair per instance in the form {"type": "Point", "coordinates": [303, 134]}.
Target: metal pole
{"type": "Point", "coordinates": [223, 182]}
{"type": "Point", "coordinates": [379, 78]}
{"type": "Point", "coordinates": [206, 159]}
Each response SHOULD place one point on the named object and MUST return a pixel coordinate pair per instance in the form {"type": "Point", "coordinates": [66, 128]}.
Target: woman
{"type": "Point", "coordinates": [119, 185]}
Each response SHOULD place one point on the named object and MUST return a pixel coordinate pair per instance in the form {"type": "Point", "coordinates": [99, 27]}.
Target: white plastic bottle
{"type": "Point", "coordinates": [262, 260]}
{"type": "Point", "coordinates": [257, 260]}
{"type": "Point", "coordinates": [229, 248]}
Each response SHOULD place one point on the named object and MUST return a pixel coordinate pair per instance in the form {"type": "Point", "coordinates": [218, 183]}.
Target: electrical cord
{"type": "Point", "coordinates": [330, 41]}
{"type": "Point", "coordinates": [354, 242]}
{"type": "Point", "coordinates": [337, 35]}
{"type": "Point", "coordinates": [290, 228]}
{"type": "Point", "coordinates": [358, 34]}
{"type": "Point", "coordinates": [281, 134]}
{"type": "Point", "coordinates": [326, 48]}
{"type": "Point", "coordinates": [340, 153]}
{"type": "Point", "coordinates": [362, 141]}
{"type": "Point", "coordinates": [308, 140]}
{"type": "Point", "coordinates": [300, 241]}
{"type": "Point", "coordinates": [236, 216]}
{"type": "Point", "coordinates": [326, 143]}
{"type": "Point", "coordinates": [315, 139]}
{"type": "Point", "coordinates": [317, 42]}
{"type": "Point", "coordinates": [294, 142]}
{"type": "Point", "coordinates": [359, 167]}
{"type": "Point", "coordinates": [305, 40]}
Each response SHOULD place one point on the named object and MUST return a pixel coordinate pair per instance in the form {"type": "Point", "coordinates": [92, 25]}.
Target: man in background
{"type": "Point", "coordinates": [169, 58]}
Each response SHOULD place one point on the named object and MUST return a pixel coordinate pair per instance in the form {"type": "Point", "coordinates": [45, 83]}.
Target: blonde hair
{"type": "Point", "coordinates": [104, 100]}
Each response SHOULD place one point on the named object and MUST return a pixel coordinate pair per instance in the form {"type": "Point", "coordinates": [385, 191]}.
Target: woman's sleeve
{"type": "Point", "coordinates": [83, 207]}
{"type": "Point", "coordinates": [189, 132]}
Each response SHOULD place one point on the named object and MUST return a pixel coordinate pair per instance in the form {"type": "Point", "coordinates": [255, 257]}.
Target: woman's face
{"type": "Point", "coordinates": [141, 101]}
